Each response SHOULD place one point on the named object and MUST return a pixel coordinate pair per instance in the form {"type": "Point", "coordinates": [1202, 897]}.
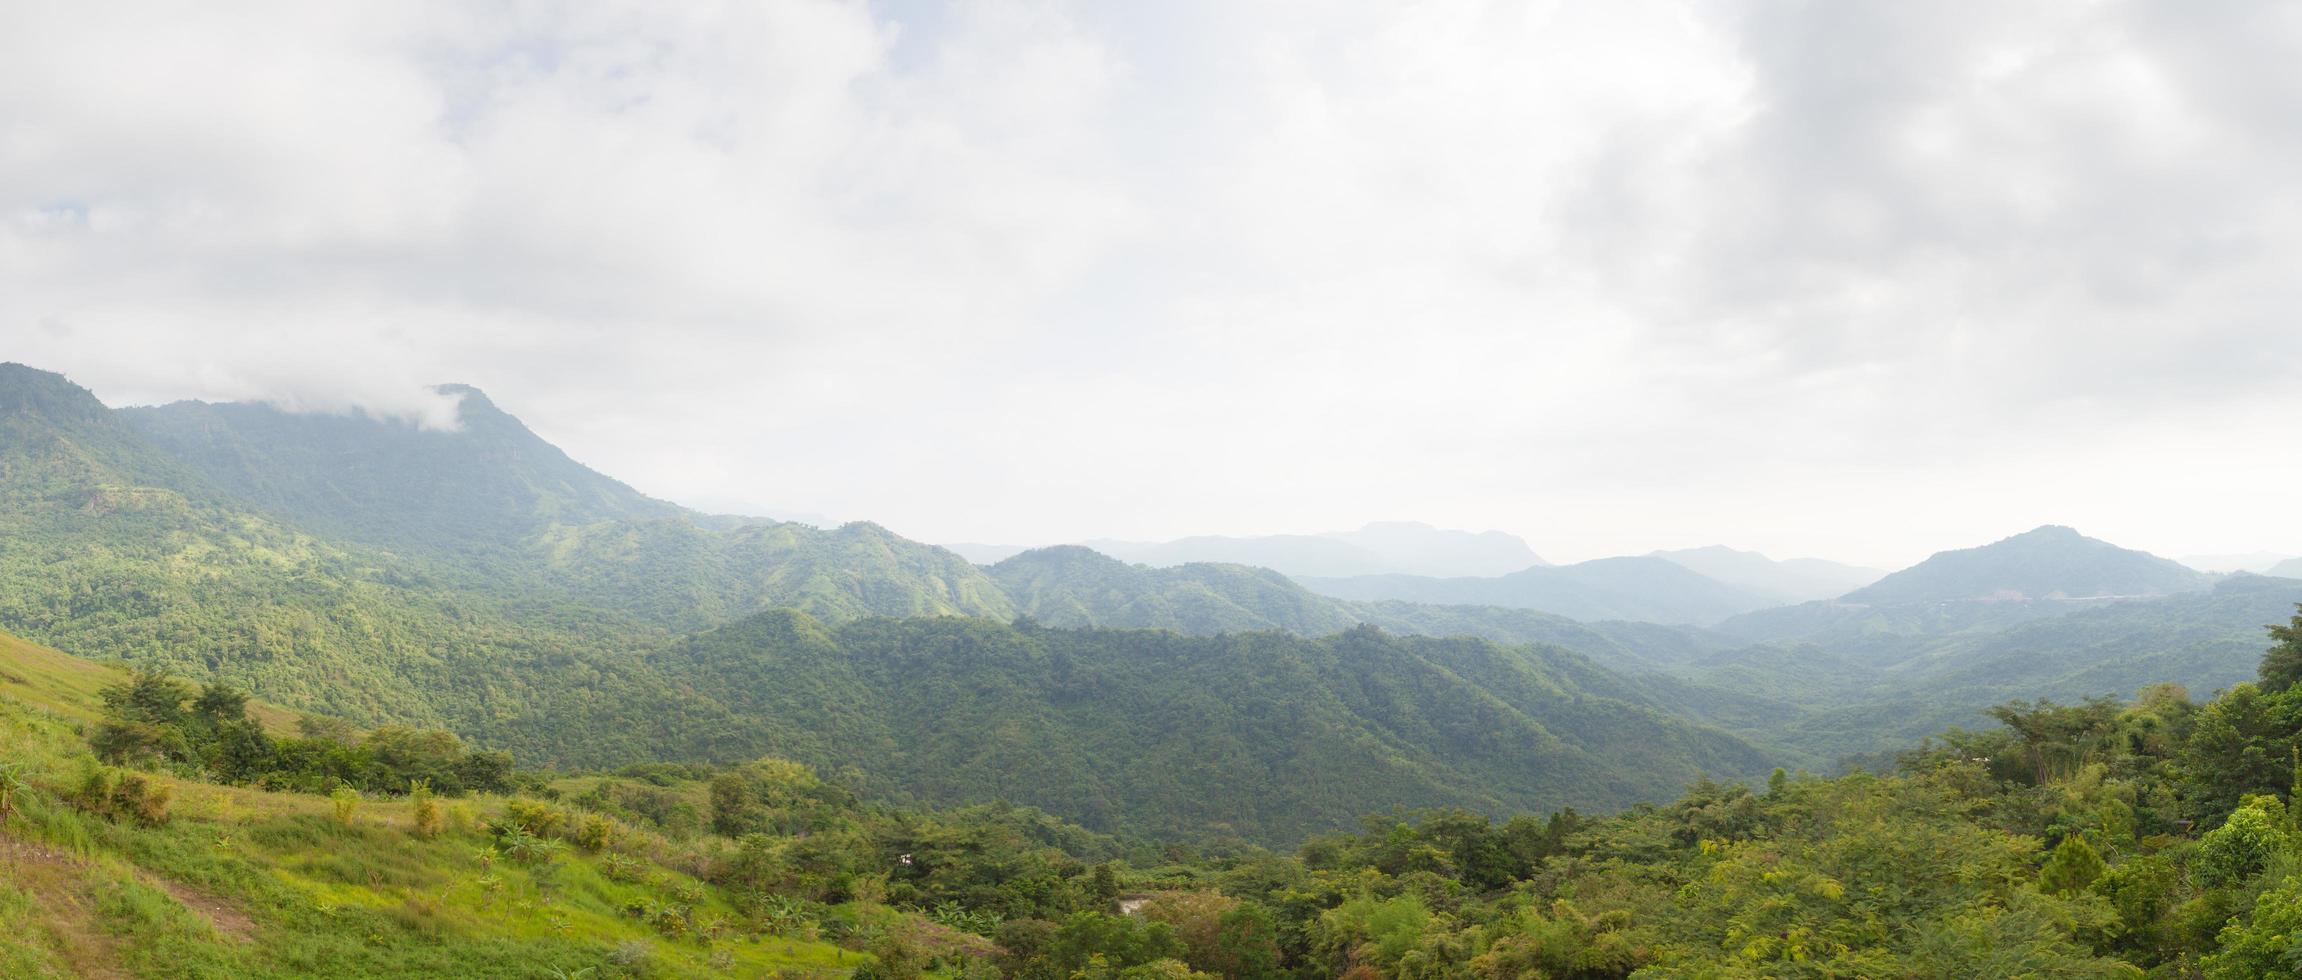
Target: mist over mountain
{"type": "Point", "coordinates": [488, 484]}
{"type": "Point", "coordinates": [1789, 580]}
{"type": "Point", "coordinates": [1383, 547]}
{"type": "Point", "coordinates": [1642, 589]}
{"type": "Point", "coordinates": [2290, 568]}
{"type": "Point", "coordinates": [2050, 562]}
{"type": "Point", "coordinates": [492, 498]}
{"type": "Point", "coordinates": [2258, 562]}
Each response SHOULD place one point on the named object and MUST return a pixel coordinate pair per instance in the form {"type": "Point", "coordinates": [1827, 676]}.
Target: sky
{"type": "Point", "coordinates": [1858, 280]}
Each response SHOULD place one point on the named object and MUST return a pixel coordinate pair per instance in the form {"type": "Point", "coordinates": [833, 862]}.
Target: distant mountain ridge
{"type": "Point", "coordinates": [2290, 568]}
{"type": "Point", "coordinates": [2050, 562]}
{"type": "Point", "coordinates": [1791, 580]}
{"type": "Point", "coordinates": [1639, 589]}
{"type": "Point", "coordinates": [1383, 547]}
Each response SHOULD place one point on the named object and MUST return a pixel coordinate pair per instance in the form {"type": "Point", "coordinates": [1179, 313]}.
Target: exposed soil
{"type": "Point", "coordinates": [57, 882]}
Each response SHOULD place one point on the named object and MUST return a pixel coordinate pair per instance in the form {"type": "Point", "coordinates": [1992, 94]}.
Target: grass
{"type": "Point", "coordinates": [248, 883]}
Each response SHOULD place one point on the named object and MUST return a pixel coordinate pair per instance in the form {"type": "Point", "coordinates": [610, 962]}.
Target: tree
{"type": "Point", "coordinates": [148, 697]}
{"type": "Point", "coordinates": [219, 702]}
{"type": "Point", "coordinates": [2282, 663]}
{"type": "Point", "coordinates": [734, 812]}
{"type": "Point", "coordinates": [2244, 845]}
{"type": "Point", "coordinates": [2074, 865]}
{"type": "Point", "coordinates": [242, 750]}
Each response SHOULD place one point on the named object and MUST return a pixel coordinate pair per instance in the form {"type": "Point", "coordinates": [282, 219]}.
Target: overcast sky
{"type": "Point", "coordinates": [1856, 280]}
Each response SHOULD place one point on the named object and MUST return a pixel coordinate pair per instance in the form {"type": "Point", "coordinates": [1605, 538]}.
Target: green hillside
{"type": "Point", "coordinates": [1074, 587]}
{"type": "Point", "coordinates": [499, 509]}
{"type": "Point", "coordinates": [161, 867]}
{"type": "Point", "coordinates": [1263, 735]}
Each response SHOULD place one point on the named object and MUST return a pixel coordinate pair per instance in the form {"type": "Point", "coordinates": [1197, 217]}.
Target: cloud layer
{"type": "Point", "coordinates": [1860, 279]}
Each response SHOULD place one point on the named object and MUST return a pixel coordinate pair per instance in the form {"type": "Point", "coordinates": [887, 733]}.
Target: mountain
{"type": "Point", "coordinates": [1790, 580]}
{"type": "Point", "coordinates": [1643, 589]}
{"type": "Point", "coordinates": [1419, 549]}
{"type": "Point", "coordinates": [488, 485]}
{"type": "Point", "coordinates": [1384, 547]}
{"type": "Point", "coordinates": [1848, 692]}
{"type": "Point", "coordinates": [1266, 735]}
{"type": "Point", "coordinates": [2258, 562]}
{"type": "Point", "coordinates": [2050, 562]}
{"type": "Point", "coordinates": [511, 513]}
{"type": "Point", "coordinates": [111, 547]}
{"type": "Point", "coordinates": [1072, 586]}
{"type": "Point", "coordinates": [2290, 568]}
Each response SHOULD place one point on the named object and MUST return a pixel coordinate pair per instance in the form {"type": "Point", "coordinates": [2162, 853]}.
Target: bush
{"type": "Point", "coordinates": [143, 800]}
{"type": "Point", "coordinates": [346, 802]}
{"type": "Point", "coordinates": [426, 807]}
{"type": "Point", "coordinates": [616, 867]}
{"type": "Point", "coordinates": [595, 833]}
{"type": "Point", "coordinates": [119, 795]}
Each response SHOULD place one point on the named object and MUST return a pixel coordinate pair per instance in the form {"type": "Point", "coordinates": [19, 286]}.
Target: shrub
{"type": "Point", "coordinates": [534, 816]}
{"type": "Point", "coordinates": [426, 807]}
{"type": "Point", "coordinates": [143, 800]}
{"type": "Point", "coordinates": [119, 795]}
{"type": "Point", "coordinates": [595, 833]}
{"type": "Point", "coordinates": [345, 802]}
{"type": "Point", "coordinates": [616, 867]}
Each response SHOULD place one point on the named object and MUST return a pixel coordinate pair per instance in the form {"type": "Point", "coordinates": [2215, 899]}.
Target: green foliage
{"type": "Point", "coordinates": [1264, 735]}
{"type": "Point", "coordinates": [2074, 866]}
{"type": "Point", "coordinates": [2245, 844]}
{"type": "Point", "coordinates": [344, 803]}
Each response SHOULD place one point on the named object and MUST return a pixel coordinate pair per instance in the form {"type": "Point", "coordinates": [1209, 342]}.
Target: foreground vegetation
{"type": "Point", "coordinates": [2105, 839]}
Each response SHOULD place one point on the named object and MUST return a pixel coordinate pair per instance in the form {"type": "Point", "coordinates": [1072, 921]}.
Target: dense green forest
{"type": "Point", "coordinates": [2106, 838]}
{"type": "Point", "coordinates": [1264, 736]}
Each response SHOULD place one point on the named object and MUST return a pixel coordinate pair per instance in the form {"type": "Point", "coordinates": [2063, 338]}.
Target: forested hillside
{"type": "Point", "coordinates": [1264, 736]}
{"type": "Point", "coordinates": [553, 625]}
{"type": "Point", "coordinates": [510, 513]}
{"type": "Point", "coordinates": [152, 829]}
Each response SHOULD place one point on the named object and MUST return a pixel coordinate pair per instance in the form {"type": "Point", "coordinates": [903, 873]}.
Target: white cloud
{"type": "Point", "coordinates": [1612, 276]}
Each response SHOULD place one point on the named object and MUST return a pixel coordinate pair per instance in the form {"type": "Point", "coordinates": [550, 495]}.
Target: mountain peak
{"type": "Point", "coordinates": [29, 390]}
{"type": "Point", "coordinates": [2051, 561]}
{"type": "Point", "coordinates": [2049, 532]}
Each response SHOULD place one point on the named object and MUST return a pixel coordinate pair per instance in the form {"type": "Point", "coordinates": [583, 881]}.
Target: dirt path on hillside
{"type": "Point", "coordinates": [59, 888]}
{"type": "Point", "coordinates": [229, 921]}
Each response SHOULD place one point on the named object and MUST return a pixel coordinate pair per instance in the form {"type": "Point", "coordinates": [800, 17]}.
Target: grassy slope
{"type": "Point", "coordinates": [245, 883]}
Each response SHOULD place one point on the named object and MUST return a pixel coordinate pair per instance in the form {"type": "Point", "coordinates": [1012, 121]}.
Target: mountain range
{"type": "Point", "coordinates": [577, 622]}
{"type": "Point", "coordinates": [482, 581]}
{"type": "Point", "coordinates": [1384, 547]}
{"type": "Point", "coordinates": [1644, 588]}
